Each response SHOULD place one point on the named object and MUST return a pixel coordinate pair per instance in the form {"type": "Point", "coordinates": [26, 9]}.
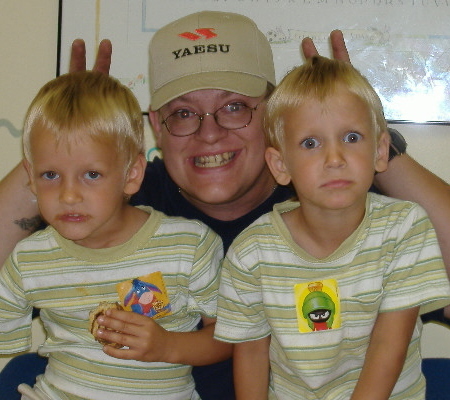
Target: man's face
{"type": "Point", "coordinates": [214, 167]}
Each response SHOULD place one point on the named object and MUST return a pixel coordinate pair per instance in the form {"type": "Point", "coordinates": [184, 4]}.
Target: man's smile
{"type": "Point", "coordinates": [216, 160]}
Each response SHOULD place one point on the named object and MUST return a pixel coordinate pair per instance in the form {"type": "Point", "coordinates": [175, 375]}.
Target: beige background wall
{"type": "Point", "coordinates": [28, 32]}
{"type": "Point", "coordinates": [28, 51]}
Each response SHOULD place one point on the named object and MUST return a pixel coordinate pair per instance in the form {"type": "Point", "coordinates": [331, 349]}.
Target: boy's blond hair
{"type": "Point", "coordinates": [89, 104]}
{"type": "Point", "coordinates": [317, 79]}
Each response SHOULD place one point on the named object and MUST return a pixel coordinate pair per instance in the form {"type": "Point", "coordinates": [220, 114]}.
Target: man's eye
{"type": "Point", "coordinates": [183, 114]}
{"type": "Point", "coordinates": [50, 175]}
{"type": "Point", "coordinates": [234, 108]}
{"type": "Point", "coordinates": [92, 175]}
{"type": "Point", "coordinates": [352, 137]}
{"type": "Point", "coordinates": [310, 143]}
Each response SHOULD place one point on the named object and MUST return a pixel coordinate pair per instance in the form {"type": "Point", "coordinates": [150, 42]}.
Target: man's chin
{"type": "Point", "coordinates": [210, 195]}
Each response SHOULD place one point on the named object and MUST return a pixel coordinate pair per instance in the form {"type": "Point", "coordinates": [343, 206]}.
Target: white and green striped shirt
{"type": "Point", "coordinates": [391, 262]}
{"type": "Point", "coordinates": [66, 281]}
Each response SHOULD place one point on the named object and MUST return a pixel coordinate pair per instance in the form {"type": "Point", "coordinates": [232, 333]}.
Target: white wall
{"type": "Point", "coordinates": [29, 30]}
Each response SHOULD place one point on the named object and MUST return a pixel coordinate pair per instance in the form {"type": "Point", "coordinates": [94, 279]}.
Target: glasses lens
{"type": "Point", "coordinates": [233, 116]}
{"type": "Point", "coordinates": [182, 123]}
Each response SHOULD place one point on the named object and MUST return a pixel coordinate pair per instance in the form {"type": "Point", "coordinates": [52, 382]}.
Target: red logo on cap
{"type": "Point", "coordinates": [206, 33]}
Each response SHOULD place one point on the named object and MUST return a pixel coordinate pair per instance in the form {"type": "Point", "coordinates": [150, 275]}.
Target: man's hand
{"type": "Point", "coordinates": [337, 45]}
{"type": "Point", "coordinates": [78, 56]}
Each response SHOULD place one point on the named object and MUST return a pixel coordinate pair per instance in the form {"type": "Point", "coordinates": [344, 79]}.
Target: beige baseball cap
{"type": "Point", "coordinates": [209, 50]}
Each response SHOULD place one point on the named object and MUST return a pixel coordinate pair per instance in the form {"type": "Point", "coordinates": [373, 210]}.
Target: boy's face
{"type": "Point", "coordinates": [330, 152]}
{"type": "Point", "coordinates": [80, 187]}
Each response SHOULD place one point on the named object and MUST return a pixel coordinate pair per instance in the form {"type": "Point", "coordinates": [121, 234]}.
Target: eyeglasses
{"type": "Point", "coordinates": [231, 116]}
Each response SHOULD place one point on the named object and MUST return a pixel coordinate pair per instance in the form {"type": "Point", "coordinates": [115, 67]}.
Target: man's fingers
{"type": "Point", "coordinates": [338, 46]}
{"type": "Point", "coordinates": [77, 56]}
{"type": "Point", "coordinates": [309, 48]}
{"type": "Point", "coordinates": [103, 60]}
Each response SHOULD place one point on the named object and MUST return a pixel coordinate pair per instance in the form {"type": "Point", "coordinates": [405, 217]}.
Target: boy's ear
{"type": "Point", "coordinates": [29, 170]}
{"type": "Point", "coordinates": [382, 152]}
{"type": "Point", "coordinates": [135, 175]}
{"type": "Point", "coordinates": [274, 160]}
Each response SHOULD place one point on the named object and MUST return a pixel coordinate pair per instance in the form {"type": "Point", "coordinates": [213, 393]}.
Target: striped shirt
{"type": "Point", "coordinates": [67, 281]}
{"type": "Point", "coordinates": [391, 262]}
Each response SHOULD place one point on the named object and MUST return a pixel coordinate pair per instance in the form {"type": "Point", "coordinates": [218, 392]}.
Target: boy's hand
{"type": "Point", "coordinates": [337, 44]}
{"type": "Point", "coordinates": [145, 339]}
{"type": "Point", "coordinates": [78, 56]}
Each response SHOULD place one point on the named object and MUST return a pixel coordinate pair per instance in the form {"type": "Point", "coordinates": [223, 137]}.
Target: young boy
{"type": "Point", "coordinates": [84, 144]}
{"type": "Point", "coordinates": [326, 291]}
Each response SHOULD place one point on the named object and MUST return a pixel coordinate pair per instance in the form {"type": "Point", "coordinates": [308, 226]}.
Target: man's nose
{"type": "Point", "coordinates": [209, 130]}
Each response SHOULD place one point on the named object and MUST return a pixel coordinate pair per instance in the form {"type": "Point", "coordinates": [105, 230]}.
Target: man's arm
{"type": "Point", "coordinates": [251, 369]}
{"type": "Point", "coordinates": [386, 354]}
{"type": "Point", "coordinates": [19, 214]}
{"type": "Point", "coordinates": [407, 180]}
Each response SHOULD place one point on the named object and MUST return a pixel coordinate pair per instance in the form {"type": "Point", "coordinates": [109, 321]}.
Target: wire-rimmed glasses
{"type": "Point", "coordinates": [231, 116]}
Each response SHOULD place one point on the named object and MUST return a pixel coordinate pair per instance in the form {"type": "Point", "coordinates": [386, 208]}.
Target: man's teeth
{"type": "Point", "coordinates": [216, 160]}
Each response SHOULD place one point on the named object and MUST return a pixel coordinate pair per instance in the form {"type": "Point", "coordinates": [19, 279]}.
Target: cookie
{"type": "Point", "coordinates": [94, 326]}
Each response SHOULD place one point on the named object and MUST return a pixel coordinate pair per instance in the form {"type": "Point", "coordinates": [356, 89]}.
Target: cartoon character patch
{"type": "Point", "coordinates": [318, 306]}
{"type": "Point", "coordinates": [145, 295]}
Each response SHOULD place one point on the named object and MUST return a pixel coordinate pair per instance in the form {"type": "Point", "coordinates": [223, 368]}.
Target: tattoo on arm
{"type": "Point", "coordinates": [29, 224]}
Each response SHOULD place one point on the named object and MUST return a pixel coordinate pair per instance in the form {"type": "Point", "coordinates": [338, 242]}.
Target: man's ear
{"type": "Point", "coordinates": [274, 160]}
{"type": "Point", "coordinates": [155, 123]}
{"type": "Point", "coordinates": [29, 170]}
{"type": "Point", "coordinates": [135, 175]}
{"type": "Point", "coordinates": [382, 152]}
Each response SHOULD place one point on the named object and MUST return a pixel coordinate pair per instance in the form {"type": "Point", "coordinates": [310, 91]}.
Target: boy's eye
{"type": "Point", "coordinates": [92, 175]}
{"type": "Point", "coordinates": [50, 175]}
{"type": "Point", "coordinates": [352, 137]}
{"type": "Point", "coordinates": [310, 143]}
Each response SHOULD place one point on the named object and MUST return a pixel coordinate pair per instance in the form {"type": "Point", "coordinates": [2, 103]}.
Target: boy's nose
{"type": "Point", "coordinates": [70, 194]}
{"type": "Point", "coordinates": [335, 157]}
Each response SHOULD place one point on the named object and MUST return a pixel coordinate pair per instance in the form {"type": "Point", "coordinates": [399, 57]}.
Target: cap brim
{"type": "Point", "coordinates": [236, 82]}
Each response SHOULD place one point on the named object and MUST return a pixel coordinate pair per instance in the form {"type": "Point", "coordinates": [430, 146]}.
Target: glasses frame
{"type": "Point", "coordinates": [201, 117]}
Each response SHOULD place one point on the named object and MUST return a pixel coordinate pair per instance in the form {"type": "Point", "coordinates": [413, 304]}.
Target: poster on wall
{"type": "Point", "coordinates": [401, 46]}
